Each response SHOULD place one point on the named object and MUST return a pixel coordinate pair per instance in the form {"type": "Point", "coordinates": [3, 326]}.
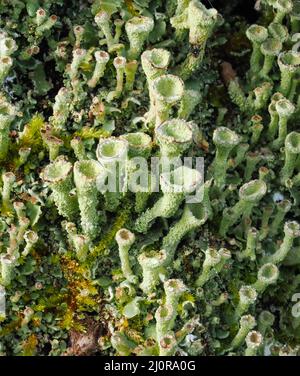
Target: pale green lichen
{"type": "Point", "coordinates": [85, 178]}
{"type": "Point", "coordinates": [59, 175]}
{"type": "Point", "coordinates": [172, 261]}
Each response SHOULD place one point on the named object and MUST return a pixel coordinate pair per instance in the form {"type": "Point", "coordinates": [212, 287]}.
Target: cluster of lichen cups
{"type": "Point", "coordinates": [78, 184]}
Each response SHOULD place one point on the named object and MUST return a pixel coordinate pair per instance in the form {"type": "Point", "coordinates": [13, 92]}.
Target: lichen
{"type": "Point", "coordinates": [157, 257]}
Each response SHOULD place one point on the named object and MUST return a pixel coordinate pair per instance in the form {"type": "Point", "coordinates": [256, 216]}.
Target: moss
{"type": "Point", "coordinates": [108, 238]}
{"type": "Point", "coordinates": [31, 136]}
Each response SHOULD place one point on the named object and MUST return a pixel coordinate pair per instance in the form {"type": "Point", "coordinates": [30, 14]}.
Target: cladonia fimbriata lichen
{"type": "Point", "coordinates": [149, 178]}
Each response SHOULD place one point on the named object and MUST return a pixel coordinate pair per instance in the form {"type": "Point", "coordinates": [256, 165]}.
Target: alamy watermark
{"type": "Point", "coordinates": [169, 175]}
{"type": "Point", "coordinates": [296, 307]}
